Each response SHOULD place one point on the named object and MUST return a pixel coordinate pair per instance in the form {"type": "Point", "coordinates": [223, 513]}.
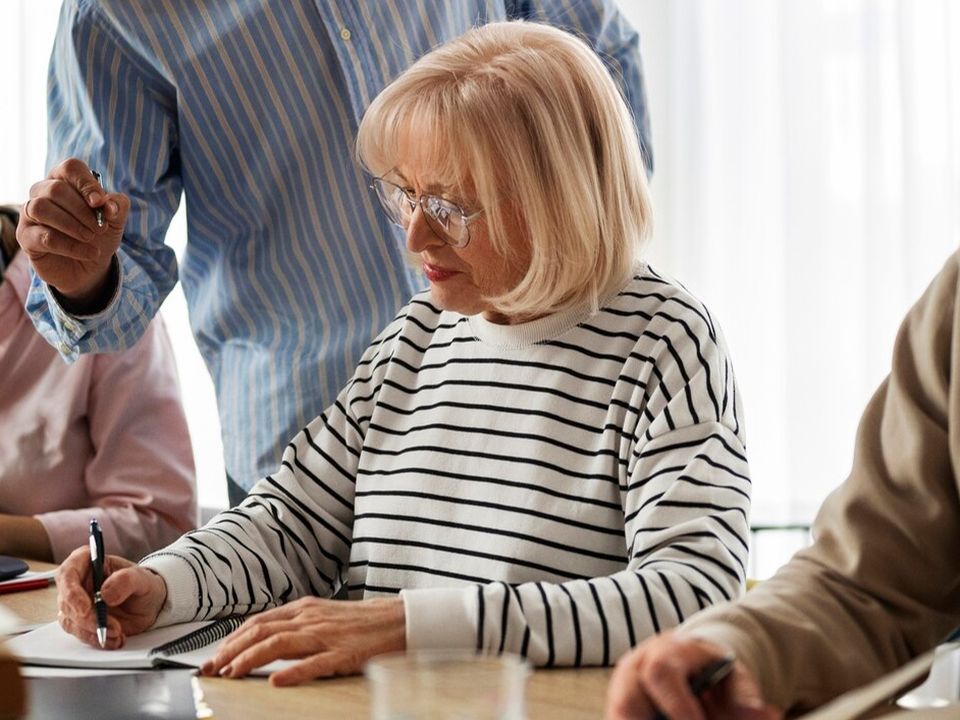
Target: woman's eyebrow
{"type": "Point", "coordinates": [433, 188]}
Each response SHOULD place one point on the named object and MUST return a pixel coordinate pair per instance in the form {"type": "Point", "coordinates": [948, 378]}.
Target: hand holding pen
{"type": "Point", "coordinates": [675, 676]}
{"type": "Point", "coordinates": [130, 596]}
{"type": "Point", "coordinates": [96, 562]}
{"type": "Point", "coordinates": [711, 674]}
{"type": "Point", "coordinates": [71, 228]}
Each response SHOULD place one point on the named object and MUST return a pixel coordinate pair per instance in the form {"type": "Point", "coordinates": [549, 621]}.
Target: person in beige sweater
{"type": "Point", "coordinates": [879, 585]}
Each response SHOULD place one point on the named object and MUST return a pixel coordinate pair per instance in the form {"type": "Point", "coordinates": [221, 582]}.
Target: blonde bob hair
{"type": "Point", "coordinates": [525, 118]}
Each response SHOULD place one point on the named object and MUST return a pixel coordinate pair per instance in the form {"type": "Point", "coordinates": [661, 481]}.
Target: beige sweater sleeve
{"type": "Point", "coordinates": [881, 583]}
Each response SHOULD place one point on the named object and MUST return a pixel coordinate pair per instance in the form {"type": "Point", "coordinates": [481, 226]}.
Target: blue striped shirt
{"type": "Point", "coordinates": [249, 110]}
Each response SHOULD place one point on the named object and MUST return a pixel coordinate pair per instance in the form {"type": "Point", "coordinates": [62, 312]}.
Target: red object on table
{"type": "Point", "coordinates": [28, 584]}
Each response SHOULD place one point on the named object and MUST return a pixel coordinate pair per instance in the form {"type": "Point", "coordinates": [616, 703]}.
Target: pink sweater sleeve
{"type": "Point", "coordinates": [141, 477]}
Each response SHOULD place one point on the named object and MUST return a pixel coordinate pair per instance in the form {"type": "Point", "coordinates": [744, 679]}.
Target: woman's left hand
{"type": "Point", "coordinates": [333, 637]}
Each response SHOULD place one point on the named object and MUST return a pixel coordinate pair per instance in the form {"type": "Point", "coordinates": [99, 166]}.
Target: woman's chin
{"type": "Point", "coordinates": [451, 302]}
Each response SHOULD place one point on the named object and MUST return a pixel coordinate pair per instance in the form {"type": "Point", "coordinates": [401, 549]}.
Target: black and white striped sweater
{"type": "Point", "coordinates": [560, 489]}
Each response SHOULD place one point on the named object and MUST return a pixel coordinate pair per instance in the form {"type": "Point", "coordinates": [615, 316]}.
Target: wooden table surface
{"type": "Point", "coordinates": [551, 694]}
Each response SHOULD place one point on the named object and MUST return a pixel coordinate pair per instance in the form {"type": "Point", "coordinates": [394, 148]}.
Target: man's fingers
{"type": "Point", "coordinates": [48, 212]}
{"type": "Point", "coordinates": [55, 192]}
{"type": "Point", "coordinates": [738, 697]}
{"type": "Point", "coordinates": [667, 684]}
{"type": "Point", "coordinates": [625, 697]}
{"type": "Point", "coordinates": [40, 240]}
{"type": "Point", "coordinates": [81, 178]}
{"type": "Point", "coordinates": [115, 210]}
{"type": "Point", "coordinates": [656, 677]}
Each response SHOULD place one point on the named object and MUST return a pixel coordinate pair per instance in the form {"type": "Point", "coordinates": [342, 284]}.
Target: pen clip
{"type": "Point", "coordinates": [98, 212]}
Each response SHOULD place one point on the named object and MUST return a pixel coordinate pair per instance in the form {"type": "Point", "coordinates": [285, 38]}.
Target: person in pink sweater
{"type": "Point", "coordinates": [105, 437]}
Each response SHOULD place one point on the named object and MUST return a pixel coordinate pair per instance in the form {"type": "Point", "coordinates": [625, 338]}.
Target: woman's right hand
{"type": "Point", "coordinates": [67, 248]}
{"type": "Point", "coordinates": [133, 594]}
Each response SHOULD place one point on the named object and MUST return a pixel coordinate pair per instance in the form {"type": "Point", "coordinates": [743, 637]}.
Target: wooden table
{"type": "Point", "coordinates": [551, 694]}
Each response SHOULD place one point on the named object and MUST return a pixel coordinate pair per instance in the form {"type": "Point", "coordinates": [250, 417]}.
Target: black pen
{"type": "Point", "coordinates": [98, 212]}
{"type": "Point", "coordinates": [96, 560]}
{"type": "Point", "coordinates": [711, 674]}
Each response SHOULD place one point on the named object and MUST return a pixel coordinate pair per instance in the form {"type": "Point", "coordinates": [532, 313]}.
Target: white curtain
{"type": "Point", "coordinates": [807, 188]}
{"type": "Point", "coordinates": [26, 35]}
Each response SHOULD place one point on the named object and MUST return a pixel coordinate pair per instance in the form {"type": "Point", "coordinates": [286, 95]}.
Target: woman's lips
{"type": "Point", "coordinates": [435, 273]}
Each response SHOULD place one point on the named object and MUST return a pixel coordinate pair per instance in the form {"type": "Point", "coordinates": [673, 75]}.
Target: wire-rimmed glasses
{"type": "Point", "coordinates": [449, 221]}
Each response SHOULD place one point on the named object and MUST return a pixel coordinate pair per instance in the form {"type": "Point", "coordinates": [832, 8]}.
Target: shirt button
{"type": "Point", "coordinates": [345, 34]}
{"type": "Point", "coordinates": [65, 350]}
{"type": "Point", "coordinates": [69, 326]}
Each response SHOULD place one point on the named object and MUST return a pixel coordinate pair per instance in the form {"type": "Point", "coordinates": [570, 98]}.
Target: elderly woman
{"type": "Point", "coordinates": [543, 454]}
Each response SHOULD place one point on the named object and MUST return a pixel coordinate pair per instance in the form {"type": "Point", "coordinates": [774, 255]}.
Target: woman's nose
{"type": "Point", "coordinates": [419, 234]}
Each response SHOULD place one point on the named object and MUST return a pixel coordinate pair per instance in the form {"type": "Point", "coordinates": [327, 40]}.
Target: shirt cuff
{"type": "Point", "coordinates": [441, 618]}
{"type": "Point", "coordinates": [182, 591]}
{"type": "Point", "coordinates": [73, 328]}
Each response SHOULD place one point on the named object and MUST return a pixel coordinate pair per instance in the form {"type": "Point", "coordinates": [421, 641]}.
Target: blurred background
{"type": "Point", "coordinates": [807, 189]}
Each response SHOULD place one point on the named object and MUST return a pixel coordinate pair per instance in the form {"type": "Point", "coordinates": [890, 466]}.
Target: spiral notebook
{"type": "Point", "coordinates": [183, 645]}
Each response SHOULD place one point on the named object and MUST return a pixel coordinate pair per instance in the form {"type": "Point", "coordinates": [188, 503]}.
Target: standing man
{"type": "Point", "coordinates": [247, 109]}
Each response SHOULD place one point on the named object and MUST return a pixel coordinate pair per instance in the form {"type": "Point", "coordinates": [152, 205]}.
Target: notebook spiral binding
{"type": "Point", "coordinates": [200, 638]}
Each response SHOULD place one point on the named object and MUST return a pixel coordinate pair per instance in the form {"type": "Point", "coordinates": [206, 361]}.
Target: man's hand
{"type": "Point", "coordinates": [333, 637]}
{"type": "Point", "coordinates": [655, 677]}
{"type": "Point", "coordinates": [134, 598]}
{"type": "Point", "coordinates": [59, 233]}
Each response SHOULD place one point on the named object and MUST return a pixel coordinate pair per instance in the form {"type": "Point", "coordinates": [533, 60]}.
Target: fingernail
{"type": "Point", "coordinates": [96, 198]}
{"type": "Point", "coordinates": [226, 670]}
{"type": "Point", "coordinates": [113, 207]}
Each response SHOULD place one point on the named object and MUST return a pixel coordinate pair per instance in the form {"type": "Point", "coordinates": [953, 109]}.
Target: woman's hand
{"type": "Point", "coordinates": [134, 598]}
{"type": "Point", "coordinates": [59, 232]}
{"type": "Point", "coordinates": [656, 675]}
{"type": "Point", "coordinates": [333, 637]}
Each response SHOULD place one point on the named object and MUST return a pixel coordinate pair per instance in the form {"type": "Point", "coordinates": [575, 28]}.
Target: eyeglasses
{"type": "Point", "coordinates": [448, 220]}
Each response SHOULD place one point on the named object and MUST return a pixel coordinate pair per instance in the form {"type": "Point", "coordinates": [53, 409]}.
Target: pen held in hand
{"type": "Point", "coordinates": [99, 211]}
{"type": "Point", "coordinates": [711, 674]}
{"type": "Point", "coordinates": [96, 562]}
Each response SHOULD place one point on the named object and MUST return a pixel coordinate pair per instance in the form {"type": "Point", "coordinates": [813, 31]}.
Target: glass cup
{"type": "Point", "coordinates": [447, 685]}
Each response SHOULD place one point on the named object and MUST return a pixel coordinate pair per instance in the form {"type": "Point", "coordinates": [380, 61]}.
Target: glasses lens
{"type": "Point", "coordinates": [396, 203]}
{"type": "Point", "coordinates": [446, 219]}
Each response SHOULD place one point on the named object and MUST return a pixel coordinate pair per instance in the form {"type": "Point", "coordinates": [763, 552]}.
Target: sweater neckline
{"type": "Point", "coordinates": [542, 329]}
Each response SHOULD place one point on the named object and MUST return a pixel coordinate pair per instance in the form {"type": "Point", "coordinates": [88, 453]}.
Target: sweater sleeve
{"type": "Point", "coordinates": [881, 583]}
{"type": "Point", "coordinates": [685, 499]}
{"type": "Point", "coordinates": [291, 536]}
